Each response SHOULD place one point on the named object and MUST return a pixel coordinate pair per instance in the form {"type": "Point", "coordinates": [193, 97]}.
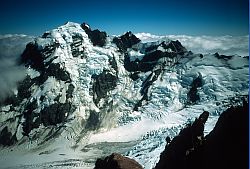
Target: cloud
{"type": "Point", "coordinates": [10, 74]}
{"type": "Point", "coordinates": [11, 47]}
{"type": "Point", "coordinates": [227, 45]}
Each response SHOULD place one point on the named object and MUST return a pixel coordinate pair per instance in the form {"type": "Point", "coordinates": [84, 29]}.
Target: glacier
{"type": "Point", "coordinates": [134, 112]}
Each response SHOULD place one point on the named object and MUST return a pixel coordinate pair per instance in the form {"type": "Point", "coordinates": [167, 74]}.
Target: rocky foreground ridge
{"type": "Point", "coordinates": [225, 147]}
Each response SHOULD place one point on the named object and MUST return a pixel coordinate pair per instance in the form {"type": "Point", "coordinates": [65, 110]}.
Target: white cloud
{"type": "Point", "coordinates": [11, 47]}
{"type": "Point", "coordinates": [10, 74]}
{"type": "Point", "coordinates": [228, 45]}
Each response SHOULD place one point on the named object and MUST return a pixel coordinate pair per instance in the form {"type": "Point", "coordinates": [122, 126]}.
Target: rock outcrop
{"type": "Point", "coordinates": [192, 95]}
{"type": "Point", "coordinates": [102, 84]}
{"type": "Point", "coordinates": [97, 37]}
{"type": "Point", "coordinates": [126, 41]}
{"type": "Point", "coordinates": [6, 138]}
{"type": "Point", "coordinates": [225, 57]}
{"type": "Point", "coordinates": [175, 155]}
{"type": "Point", "coordinates": [117, 161]}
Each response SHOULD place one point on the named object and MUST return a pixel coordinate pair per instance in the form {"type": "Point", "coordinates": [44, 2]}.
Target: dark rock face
{"type": "Point", "coordinates": [93, 121]}
{"type": "Point", "coordinates": [6, 138]}
{"type": "Point", "coordinates": [117, 161]}
{"type": "Point", "coordinates": [55, 113]}
{"type": "Point", "coordinates": [54, 70]}
{"type": "Point", "coordinates": [31, 56]}
{"type": "Point", "coordinates": [113, 64]}
{"type": "Point", "coordinates": [126, 41]}
{"type": "Point", "coordinates": [219, 149]}
{"type": "Point", "coordinates": [46, 35]}
{"type": "Point", "coordinates": [23, 88]}
{"type": "Point", "coordinates": [34, 57]}
{"type": "Point", "coordinates": [177, 47]}
{"type": "Point", "coordinates": [228, 144]}
{"type": "Point", "coordinates": [85, 26]}
{"type": "Point", "coordinates": [192, 94]}
{"type": "Point", "coordinates": [148, 62]}
{"type": "Point", "coordinates": [69, 93]}
{"type": "Point", "coordinates": [59, 73]}
{"type": "Point", "coordinates": [145, 87]}
{"type": "Point", "coordinates": [134, 76]}
{"type": "Point", "coordinates": [29, 116]}
{"type": "Point", "coordinates": [97, 37]}
{"type": "Point", "coordinates": [103, 83]}
{"type": "Point", "coordinates": [52, 115]}
{"type": "Point", "coordinates": [175, 154]}
{"type": "Point", "coordinates": [77, 50]}
{"type": "Point", "coordinates": [218, 56]}
{"type": "Point", "coordinates": [152, 57]}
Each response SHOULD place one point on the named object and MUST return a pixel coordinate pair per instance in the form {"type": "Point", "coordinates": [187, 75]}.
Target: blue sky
{"type": "Point", "coordinates": [189, 17]}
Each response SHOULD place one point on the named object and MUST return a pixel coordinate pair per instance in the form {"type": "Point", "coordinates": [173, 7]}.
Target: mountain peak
{"type": "Point", "coordinates": [81, 82]}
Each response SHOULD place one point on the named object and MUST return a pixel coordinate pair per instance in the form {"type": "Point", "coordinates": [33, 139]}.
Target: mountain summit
{"type": "Point", "coordinates": [83, 87]}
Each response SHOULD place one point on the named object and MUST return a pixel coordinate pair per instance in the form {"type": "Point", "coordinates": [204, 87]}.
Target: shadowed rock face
{"type": "Point", "coordinates": [192, 95]}
{"type": "Point", "coordinates": [93, 121]}
{"type": "Point", "coordinates": [175, 154]}
{"type": "Point", "coordinates": [225, 147]}
{"type": "Point", "coordinates": [117, 161]}
{"type": "Point", "coordinates": [126, 41]}
{"type": "Point", "coordinates": [228, 143]}
{"type": "Point", "coordinates": [6, 138]}
{"type": "Point", "coordinates": [218, 56]}
{"type": "Point", "coordinates": [177, 47]}
{"type": "Point", "coordinates": [59, 73]}
{"type": "Point", "coordinates": [76, 47]}
{"type": "Point", "coordinates": [33, 57]}
{"type": "Point", "coordinates": [103, 83]}
{"type": "Point", "coordinates": [97, 37]}
{"type": "Point", "coordinates": [52, 115]}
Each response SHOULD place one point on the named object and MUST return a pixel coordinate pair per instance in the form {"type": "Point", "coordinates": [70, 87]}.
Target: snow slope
{"type": "Point", "coordinates": [94, 125]}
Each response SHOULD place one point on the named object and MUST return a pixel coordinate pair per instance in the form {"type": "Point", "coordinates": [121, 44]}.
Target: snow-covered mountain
{"type": "Point", "coordinates": [86, 94]}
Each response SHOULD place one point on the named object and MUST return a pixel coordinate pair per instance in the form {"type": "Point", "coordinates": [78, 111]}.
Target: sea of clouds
{"type": "Point", "coordinates": [227, 45]}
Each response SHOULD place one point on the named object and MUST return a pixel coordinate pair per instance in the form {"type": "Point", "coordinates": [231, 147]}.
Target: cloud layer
{"type": "Point", "coordinates": [227, 45]}
{"type": "Point", "coordinates": [11, 47]}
